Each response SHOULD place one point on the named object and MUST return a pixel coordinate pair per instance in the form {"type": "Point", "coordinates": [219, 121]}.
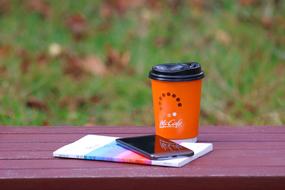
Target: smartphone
{"type": "Point", "coordinates": [154, 147]}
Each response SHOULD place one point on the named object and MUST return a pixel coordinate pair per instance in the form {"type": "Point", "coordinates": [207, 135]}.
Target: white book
{"type": "Point", "coordinates": [104, 148]}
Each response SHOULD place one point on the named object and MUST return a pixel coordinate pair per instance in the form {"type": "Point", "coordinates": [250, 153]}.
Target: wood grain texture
{"type": "Point", "coordinates": [243, 158]}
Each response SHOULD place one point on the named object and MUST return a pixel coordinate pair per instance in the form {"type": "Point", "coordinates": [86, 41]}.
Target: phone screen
{"type": "Point", "coordinates": [154, 146]}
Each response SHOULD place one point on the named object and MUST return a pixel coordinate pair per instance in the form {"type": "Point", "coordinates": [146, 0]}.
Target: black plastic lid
{"type": "Point", "coordinates": [174, 72]}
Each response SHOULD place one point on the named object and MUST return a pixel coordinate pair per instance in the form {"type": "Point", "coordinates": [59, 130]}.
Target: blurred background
{"type": "Point", "coordinates": [87, 62]}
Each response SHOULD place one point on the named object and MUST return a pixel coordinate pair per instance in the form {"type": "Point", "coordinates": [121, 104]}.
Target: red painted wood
{"type": "Point", "coordinates": [42, 159]}
{"type": "Point", "coordinates": [30, 146]}
{"type": "Point", "coordinates": [243, 158]}
{"type": "Point", "coordinates": [119, 170]}
{"type": "Point", "coordinates": [165, 183]}
{"type": "Point", "coordinates": [134, 130]}
{"type": "Point", "coordinates": [59, 138]}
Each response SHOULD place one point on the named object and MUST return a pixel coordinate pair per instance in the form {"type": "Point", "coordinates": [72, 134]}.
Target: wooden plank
{"type": "Point", "coordinates": [235, 155]}
{"type": "Point", "coordinates": [248, 145]}
{"type": "Point", "coordinates": [241, 138]}
{"type": "Point", "coordinates": [202, 138]}
{"type": "Point", "coordinates": [17, 159]}
{"type": "Point", "coordinates": [165, 183]}
{"type": "Point", "coordinates": [47, 138]}
{"type": "Point", "coordinates": [53, 163]}
{"type": "Point", "coordinates": [135, 130]}
{"type": "Point", "coordinates": [30, 146]}
{"type": "Point", "coordinates": [75, 129]}
{"type": "Point", "coordinates": [51, 146]}
{"type": "Point", "coordinates": [115, 170]}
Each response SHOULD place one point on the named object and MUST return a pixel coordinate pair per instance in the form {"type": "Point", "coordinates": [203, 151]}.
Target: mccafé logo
{"type": "Point", "coordinates": [173, 123]}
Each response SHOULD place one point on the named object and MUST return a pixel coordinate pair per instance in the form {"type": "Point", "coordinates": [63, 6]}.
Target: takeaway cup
{"type": "Point", "coordinates": [176, 92]}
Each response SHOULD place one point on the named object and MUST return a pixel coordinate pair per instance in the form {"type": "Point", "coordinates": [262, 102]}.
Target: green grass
{"type": "Point", "coordinates": [243, 60]}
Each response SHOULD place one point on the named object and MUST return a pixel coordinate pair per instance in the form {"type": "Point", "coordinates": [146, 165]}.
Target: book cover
{"type": "Point", "coordinates": [104, 148]}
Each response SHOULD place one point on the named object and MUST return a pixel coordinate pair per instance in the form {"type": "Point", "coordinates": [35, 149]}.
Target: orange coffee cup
{"type": "Point", "coordinates": [176, 92]}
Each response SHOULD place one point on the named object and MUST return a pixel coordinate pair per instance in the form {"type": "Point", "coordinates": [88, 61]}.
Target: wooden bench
{"type": "Point", "coordinates": [243, 158]}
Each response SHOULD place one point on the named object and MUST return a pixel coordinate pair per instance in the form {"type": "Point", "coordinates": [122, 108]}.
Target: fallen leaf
{"type": "Point", "coordinates": [198, 4]}
{"type": "Point", "coordinates": [275, 118]}
{"type": "Point", "coordinates": [5, 50]}
{"type": "Point", "coordinates": [106, 11]}
{"type": "Point", "coordinates": [147, 15]}
{"type": "Point", "coordinates": [91, 121]}
{"type": "Point", "coordinates": [3, 70]}
{"type": "Point", "coordinates": [223, 37]}
{"type": "Point", "coordinates": [117, 61]}
{"type": "Point", "coordinates": [26, 60]}
{"type": "Point", "coordinates": [266, 22]}
{"type": "Point", "coordinates": [42, 58]}
{"type": "Point", "coordinates": [72, 66]}
{"type": "Point", "coordinates": [279, 70]}
{"type": "Point", "coordinates": [78, 26]}
{"type": "Point", "coordinates": [104, 27]}
{"type": "Point", "coordinates": [73, 103]}
{"type": "Point", "coordinates": [36, 104]}
{"type": "Point", "coordinates": [267, 15]}
{"type": "Point", "coordinates": [161, 41]}
{"type": "Point", "coordinates": [125, 59]}
{"type": "Point", "coordinates": [204, 114]}
{"type": "Point", "coordinates": [5, 6]}
{"type": "Point", "coordinates": [229, 104]}
{"type": "Point", "coordinates": [175, 5]}
{"type": "Point", "coordinates": [121, 5]}
{"type": "Point", "coordinates": [79, 66]}
{"type": "Point", "coordinates": [95, 99]}
{"type": "Point", "coordinates": [250, 107]}
{"type": "Point", "coordinates": [247, 2]}
{"type": "Point", "coordinates": [39, 6]}
{"type": "Point", "coordinates": [93, 65]}
{"type": "Point", "coordinates": [109, 7]}
{"type": "Point", "coordinates": [45, 123]}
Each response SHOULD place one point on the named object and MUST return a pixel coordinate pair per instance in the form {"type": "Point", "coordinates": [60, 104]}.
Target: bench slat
{"type": "Point", "coordinates": [163, 182]}
{"type": "Point", "coordinates": [118, 170]}
{"type": "Point", "coordinates": [51, 146]}
{"type": "Point", "coordinates": [43, 159]}
{"type": "Point", "coordinates": [203, 137]}
{"type": "Point", "coordinates": [135, 130]}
